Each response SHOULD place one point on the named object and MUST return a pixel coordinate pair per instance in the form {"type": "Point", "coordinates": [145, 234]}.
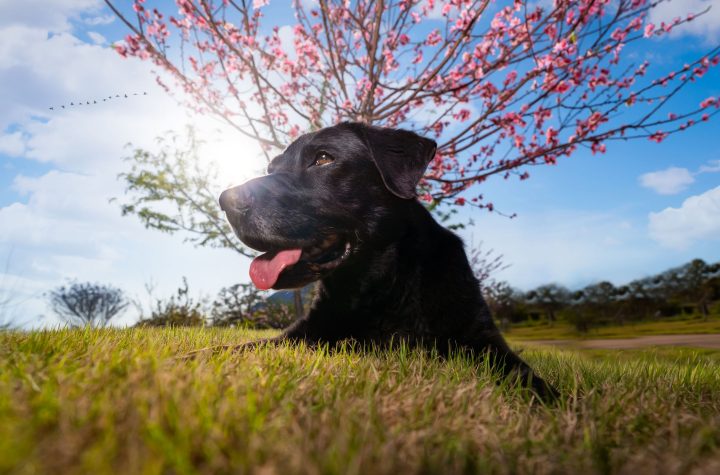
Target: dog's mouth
{"type": "Point", "coordinates": [317, 259]}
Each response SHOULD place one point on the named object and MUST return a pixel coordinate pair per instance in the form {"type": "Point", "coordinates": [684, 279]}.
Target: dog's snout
{"type": "Point", "coordinates": [235, 199]}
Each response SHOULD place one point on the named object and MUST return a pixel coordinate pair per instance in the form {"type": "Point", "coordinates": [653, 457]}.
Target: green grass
{"type": "Point", "coordinates": [563, 330]}
{"type": "Point", "coordinates": [118, 401]}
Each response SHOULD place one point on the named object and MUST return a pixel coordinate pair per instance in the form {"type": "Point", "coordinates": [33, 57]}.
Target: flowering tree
{"type": "Point", "coordinates": [501, 85]}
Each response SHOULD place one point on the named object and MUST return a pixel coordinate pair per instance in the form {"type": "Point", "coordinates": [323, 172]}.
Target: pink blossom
{"type": "Point", "coordinates": [433, 38]}
{"type": "Point", "coordinates": [649, 29]}
{"type": "Point", "coordinates": [708, 102]}
{"type": "Point", "coordinates": [658, 136]}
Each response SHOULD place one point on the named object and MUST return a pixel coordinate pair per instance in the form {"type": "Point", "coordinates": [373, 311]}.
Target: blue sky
{"type": "Point", "coordinates": [634, 211]}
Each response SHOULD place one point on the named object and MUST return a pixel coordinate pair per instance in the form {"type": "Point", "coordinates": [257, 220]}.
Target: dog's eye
{"type": "Point", "coordinates": [323, 158]}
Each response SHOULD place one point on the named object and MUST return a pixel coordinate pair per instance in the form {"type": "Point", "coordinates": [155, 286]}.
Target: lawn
{"type": "Point", "coordinates": [667, 326]}
{"type": "Point", "coordinates": [119, 401]}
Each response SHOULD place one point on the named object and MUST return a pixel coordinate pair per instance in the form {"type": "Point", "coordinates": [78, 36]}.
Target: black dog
{"type": "Point", "coordinates": [339, 206]}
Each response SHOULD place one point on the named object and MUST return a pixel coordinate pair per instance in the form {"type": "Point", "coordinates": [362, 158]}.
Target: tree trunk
{"type": "Point", "coordinates": [704, 310]}
{"type": "Point", "coordinates": [551, 318]}
{"type": "Point", "coordinates": [297, 297]}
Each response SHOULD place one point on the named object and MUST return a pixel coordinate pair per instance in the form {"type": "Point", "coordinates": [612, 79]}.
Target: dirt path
{"type": "Point", "coordinates": [698, 341]}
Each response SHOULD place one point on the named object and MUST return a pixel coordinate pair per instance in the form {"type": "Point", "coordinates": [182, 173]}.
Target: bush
{"type": "Point", "coordinates": [243, 305]}
{"type": "Point", "coordinates": [178, 311]}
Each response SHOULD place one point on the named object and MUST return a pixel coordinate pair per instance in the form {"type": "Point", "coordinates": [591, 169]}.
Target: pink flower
{"type": "Point", "coordinates": [562, 87]}
{"type": "Point", "coordinates": [462, 115]}
{"type": "Point", "coordinates": [649, 29]}
{"type": "Point", "coordinates": [433, 38]}
{"type": "Point", "coordinates": [708, 102]}
{"type": "Point", "coordinates": [418, 57]}
{"type": "Point", "coordinates": [658, 136]}
{"type": "Point", "coordinates": [551, 136]}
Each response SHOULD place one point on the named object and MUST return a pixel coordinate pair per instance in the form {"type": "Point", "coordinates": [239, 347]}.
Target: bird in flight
{"type": "Point", "coordinates": [95, 101]}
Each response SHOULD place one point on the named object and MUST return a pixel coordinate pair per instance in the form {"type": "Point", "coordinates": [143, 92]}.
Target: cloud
{"type": "Point", "coordinates": [698, 218]}
{"type": "Point", "coordinates": [68, 230]}
{"type": "Point", "coordinates": [96, 38]}
{"type": "Point", "coordinates": [287, 40]}
{"type": "Point", "coordinates": [572, 247]}
{"type": "Point", "coordinates": [12, 144]}
{"type": "Point", "coordinates": [99, 20]}
{"type": "Point", "coordinates": [61, 224]}
{"type": "Point", "coordinates": [41, 14]}
{"type": "Point", "coordinates": [706, 26]}
{"type": "Point", "coordinates": [670, 181]}
{"type": "Point", "coordinates": [713, 167]}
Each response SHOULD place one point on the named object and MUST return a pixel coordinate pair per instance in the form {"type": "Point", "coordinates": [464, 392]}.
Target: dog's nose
{"type": "Point", "coordinates": [235, 199]}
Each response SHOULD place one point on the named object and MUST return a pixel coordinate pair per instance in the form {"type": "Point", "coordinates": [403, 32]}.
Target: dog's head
{"type": "Point", "coordinates": [330, 195]}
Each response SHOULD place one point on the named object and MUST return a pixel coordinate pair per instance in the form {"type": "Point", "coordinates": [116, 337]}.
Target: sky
{"type": "Point", "coordinates": [634, 211]}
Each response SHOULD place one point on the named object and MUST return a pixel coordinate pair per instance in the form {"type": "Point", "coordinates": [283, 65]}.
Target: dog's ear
{"type": "Point", "coordinates": [400, 155]}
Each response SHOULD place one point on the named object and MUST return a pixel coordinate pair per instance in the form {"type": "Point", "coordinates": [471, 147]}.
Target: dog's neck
{"type": "Point", "coordinates": [369, 281]}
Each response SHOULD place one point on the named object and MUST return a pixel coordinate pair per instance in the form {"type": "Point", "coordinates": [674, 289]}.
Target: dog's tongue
{"type": "Point", "coordinates": [265, 269]}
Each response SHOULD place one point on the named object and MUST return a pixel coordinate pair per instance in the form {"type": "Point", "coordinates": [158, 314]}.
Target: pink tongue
{"type": "Point", "coordinates": [264, 270]}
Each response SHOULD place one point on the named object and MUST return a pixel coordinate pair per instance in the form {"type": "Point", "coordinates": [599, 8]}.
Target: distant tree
{"type": "Point", "coordinates": [696, 283]}
{"type": "Point", "coordinates": [550, 299]}
{"type": "Point", "coordinates": [237, 305]}
{"type": "Point", "coordinates": [275, 315]}
{"type": "Point", "coordinates": [180, 310]}
{"type": "Point", "coordinates": [601, 299]}
{"type": "Point", "coordinates": [640, 298]}
{"type": "Point", "coordinates": [88, 304]}
{"type": "Point", "coordinates": [505, 302]}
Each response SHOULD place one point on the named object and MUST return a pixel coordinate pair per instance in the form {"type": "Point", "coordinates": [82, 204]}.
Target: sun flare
{"type": "Point", "coordinates": [237, 158]}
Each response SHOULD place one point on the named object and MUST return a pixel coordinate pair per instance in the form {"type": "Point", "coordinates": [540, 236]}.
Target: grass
{"type": "Point", "coordinates": [118, 401]}
{"type": "Point", "coordinates": [669, 326]}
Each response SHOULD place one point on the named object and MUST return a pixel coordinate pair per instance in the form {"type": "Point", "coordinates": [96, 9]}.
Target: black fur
{"type": "Point", "coordinates": [405, 278]}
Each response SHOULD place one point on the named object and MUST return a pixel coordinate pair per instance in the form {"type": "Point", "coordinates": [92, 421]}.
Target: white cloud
{"type": "Point", "coordinates": [698, 218]}
{"type": "Point", "coordinates": [96, 38]}
{"type": "Point", "coordinates": [669, 181]}
{"type": "Point", "coordinates": [713, 167]}
{"type": "Point", "coordinates": [435, 13]}
{"type": "Point", "coordinates": [309, 4]}
{"type": "Point", "coordinates": [62, 226]}
{"type": "Point", "coordinates": [12, 144]}
{"type": "Point", "coordinates": [41, 14]}
{"type": "Point", "coordinates": [706, 26]}
{"type": "Point", "coordinates": [99, 20]}
{"type": "Point", "coordinates": [287, 40]}
{"type": "Point", "coordinates": [572, 247]}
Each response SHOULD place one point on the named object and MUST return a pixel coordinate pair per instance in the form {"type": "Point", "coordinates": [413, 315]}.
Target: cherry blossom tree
{"type": "Point", "coordinates": [501, 85]}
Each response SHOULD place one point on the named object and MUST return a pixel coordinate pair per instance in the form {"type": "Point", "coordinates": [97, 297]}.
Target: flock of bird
{"type": "Point", "coordinates": [96, 101]}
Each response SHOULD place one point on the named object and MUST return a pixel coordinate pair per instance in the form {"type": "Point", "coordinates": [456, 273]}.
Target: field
{"type": "Point", "coordinates": [119, 401]}
{"type": "Point", "coordinates": [666, 326]}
